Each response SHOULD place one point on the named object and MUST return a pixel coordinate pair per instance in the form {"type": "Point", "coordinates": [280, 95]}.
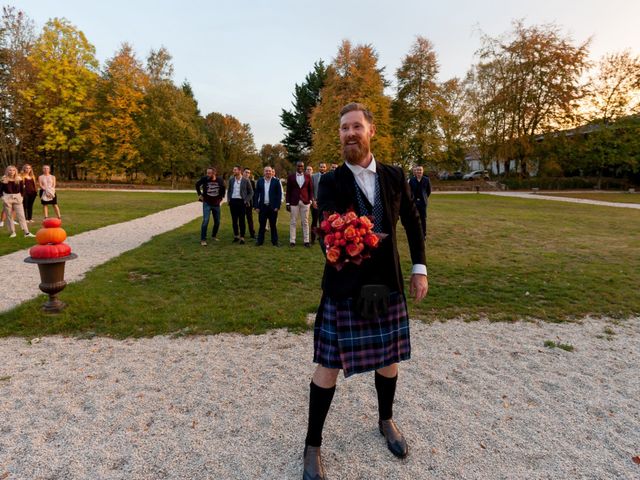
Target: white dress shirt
{"type": "Point", "coordinates": [366, 180]}
{"type": "Point", "coordinates": [236, 188]}
{"type": "Point", "coordinates": [267, 184]}
{"type": "Point", "coordinates": [300, 179]}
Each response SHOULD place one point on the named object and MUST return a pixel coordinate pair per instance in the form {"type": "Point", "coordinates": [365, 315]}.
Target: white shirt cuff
{"type": "Point", "coordinates": [419, 269]}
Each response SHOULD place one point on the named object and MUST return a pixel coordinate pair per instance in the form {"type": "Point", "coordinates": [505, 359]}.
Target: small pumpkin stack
{"type": "Point", "coordinates": [50, 240]}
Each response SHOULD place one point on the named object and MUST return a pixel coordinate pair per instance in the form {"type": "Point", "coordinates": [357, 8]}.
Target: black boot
{"type": "Point", "coordinates": [313, 469]}
{"type": "Point", "coordinates": [386, 389]}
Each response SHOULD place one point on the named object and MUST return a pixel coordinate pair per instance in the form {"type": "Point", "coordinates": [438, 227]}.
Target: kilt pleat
{"type": "Point", "coordinates": [343, 339]}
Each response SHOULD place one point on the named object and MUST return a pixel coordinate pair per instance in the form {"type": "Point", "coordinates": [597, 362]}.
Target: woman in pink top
{"type": "Point", "coordinates": [48, 191]}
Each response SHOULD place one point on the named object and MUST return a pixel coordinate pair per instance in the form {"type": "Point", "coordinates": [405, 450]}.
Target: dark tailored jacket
{"type": "Point", "coordinates": [246, 192]}
{"type": "Point", "coordinates": [337, 193]}
{"type": "Point", "coordinates": [274, 193]}
{"type": "Point", "coordinates": [295, 193]}
{"type": "Point", "coordinates": [421, 190]}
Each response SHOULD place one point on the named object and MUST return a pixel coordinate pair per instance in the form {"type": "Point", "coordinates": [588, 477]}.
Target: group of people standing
{"type": "Point", "coordinates": [244, 196]}
{"type": "Point", "coordinates": [19, 191]}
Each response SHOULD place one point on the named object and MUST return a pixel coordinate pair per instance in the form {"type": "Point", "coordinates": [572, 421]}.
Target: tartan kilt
{"type": "Point", "coordinates": [343, 339]}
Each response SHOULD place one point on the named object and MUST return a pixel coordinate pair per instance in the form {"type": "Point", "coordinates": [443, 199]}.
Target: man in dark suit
{"type": "Point", "coordinates": [239, 195]}
{"type": "Point", "coordinates": [246, 173]}
{"type": "Point", "coordinates": [346, 336]}
{"type": "Point", "coordinates": [315, 214]}
{"type": "Point", "coordinates": [299, 196]}
{"type": "Point", "coordinates": [420, 187]}
{"type": "Point", "coordinates": [267, 200]}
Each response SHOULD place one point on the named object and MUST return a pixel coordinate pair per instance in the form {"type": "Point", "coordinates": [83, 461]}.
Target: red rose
{"type": "Point", "coordinates": [338, 224]}
{"type": "Point", "coordinates": [328, 240]}
{"type": "Point", "coordinates": [332, 217]}
{"type": "Point", "coordinates": [325, 226]}
{"type": "Point", "coordinates": [371, 240]}
{"type": "Point", "coordinates": [366, 223]}
{"type": "Point", "coordinates": [337, 235]}
{"type": "Point", "coordinates": [333, 254]}
{"type": "Point", "coordinates": [350, 233]}
{"type": "Point", "coordinates": [354, 249]}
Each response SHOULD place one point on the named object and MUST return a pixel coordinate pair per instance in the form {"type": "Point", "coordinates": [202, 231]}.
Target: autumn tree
{"type": "Point", "coordinates": [276, 156]}
{"type": "Point", "coordinates": [20, 128]}
{"type": "Point", "coordinates": [172, 138]}
{"type": "Point", "coordinates": [353, 76]}
{"type": "Point", "coordinates": [525, 83]}
{"type": "Point", "coordinates": [613, 95]}
{"type": "Point", "coordinates": [298, 141]}
{"type": "Point", "coordinates": [66, 72]}
{"type": "Point", "coordinates": [230, 143]}
{"type": "Point", "coordinates": [414, 110]}
{"type": "Point", "coordinates": [114, 134]}
{"type": "Point", "coordinates": [453, 120]}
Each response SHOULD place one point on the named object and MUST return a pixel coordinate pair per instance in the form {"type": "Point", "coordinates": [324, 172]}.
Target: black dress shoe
{"type": "Point", "coordinates": [313, 469]}
{"type": "Point", "coordinates": [395, 440]}
{"type": "Point", "coordinates": [307, 244]}
{"type": "Point", "coordinates": [291, 244]}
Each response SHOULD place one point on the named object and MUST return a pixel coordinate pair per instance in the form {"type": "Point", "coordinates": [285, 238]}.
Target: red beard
{"type": "Point", "coordinates": [354, 153]}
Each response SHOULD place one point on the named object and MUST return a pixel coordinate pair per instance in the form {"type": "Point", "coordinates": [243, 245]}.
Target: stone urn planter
{"type": "Point", "coordinates": [50, 255]}
{"type": "Point", "coordinates": [52, 280]}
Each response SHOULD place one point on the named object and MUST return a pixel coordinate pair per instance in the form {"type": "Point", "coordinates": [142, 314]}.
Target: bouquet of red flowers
{"type": "Point", "coordinates": [348, 238]}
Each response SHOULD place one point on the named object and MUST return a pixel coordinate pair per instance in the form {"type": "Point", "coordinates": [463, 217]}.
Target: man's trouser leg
{"type": "Point", "coordinates": [295, 210]}
{"type": "Point", "coordinates": [304, 219]}
{"type": "Point", "coordinates": [315, 213]}
{"type": "Point", "coordinates": [206, 211]}
{"type": "Point", "coordinates": [215, 210]}
{"type": "Point", "coordinates": [273, 220]}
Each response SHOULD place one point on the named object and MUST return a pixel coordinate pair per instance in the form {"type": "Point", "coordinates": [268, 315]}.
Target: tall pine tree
{"type": "Point", "coordinates": [297, 122]}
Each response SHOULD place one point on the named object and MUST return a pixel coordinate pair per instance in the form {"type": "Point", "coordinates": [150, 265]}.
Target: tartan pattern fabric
{"type": "Point", "coordinates": [378, 209]}
{"type": "Point", "coordinates": [343, 339]}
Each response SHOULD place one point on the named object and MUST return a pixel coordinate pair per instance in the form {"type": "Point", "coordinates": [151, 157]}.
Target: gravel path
{"type": "Point", "coordinates": [477, 401]}
{"type": "Point", "coordinates": [94, 248]}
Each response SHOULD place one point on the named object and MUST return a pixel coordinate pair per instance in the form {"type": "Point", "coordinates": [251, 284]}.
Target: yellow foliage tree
{"type": "Point", "coordinates": [114, 134]}
{"type": "Point", "coordinates": [66, 72]}
{"type": "Point", "coordinates": [353, 76]}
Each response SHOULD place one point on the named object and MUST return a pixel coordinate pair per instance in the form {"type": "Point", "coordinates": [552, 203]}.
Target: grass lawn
{"type": "Point", "coordinates": [604, 197]}
{"type": "Point", "coordinates": [88, 210]}
{"type": "Point", "coordinates": [496, 257]}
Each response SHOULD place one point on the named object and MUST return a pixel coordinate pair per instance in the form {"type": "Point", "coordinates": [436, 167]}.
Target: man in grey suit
{"type": "Point", "coordinates": [239, 196]}
{"type": "Point", "coordinates": [315, 214]}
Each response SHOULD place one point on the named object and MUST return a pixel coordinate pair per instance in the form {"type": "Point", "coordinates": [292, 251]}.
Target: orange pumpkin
{"type": "Point", "coordinates": [50, 251]}
{"type": "Point", "coordinates": [51, 235]}
{"type": "Point", "coordinates": [51, 222]}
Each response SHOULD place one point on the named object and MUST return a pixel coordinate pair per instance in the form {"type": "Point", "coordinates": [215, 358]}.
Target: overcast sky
{"type": "Point", "coordinates": [244, 57]}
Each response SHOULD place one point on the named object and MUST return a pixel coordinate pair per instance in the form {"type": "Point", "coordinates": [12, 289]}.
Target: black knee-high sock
{"type": "Point", "coordinates": [319, 403]}
{"type": "Point", "coordinates": [386, 388]}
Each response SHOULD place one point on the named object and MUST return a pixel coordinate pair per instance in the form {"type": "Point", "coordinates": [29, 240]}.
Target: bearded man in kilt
{"type": "Point", "coordinates": [362, 323]}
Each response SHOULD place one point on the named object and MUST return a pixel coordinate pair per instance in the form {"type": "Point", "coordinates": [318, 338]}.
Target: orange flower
{"type": "Point", "coordinates": [332, 217]}
{"type": "Point", "coordinates": [371, 240]}
{"type": "Point", "coordinates": [350, 232]}
{"type": "Point", "coordinates": [338, 224]}
{"type": "Point", "coordinates": [333, 254]}
{"type": "Point", "coordinates": [354, 249]}
{"type": "Point", "coordinates": [350, 216]}
{"type": "Point", "coordinates": [366, 223]}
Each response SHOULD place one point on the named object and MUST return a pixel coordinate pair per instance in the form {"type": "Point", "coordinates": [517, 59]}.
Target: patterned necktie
{"type": "Point", "coordinates": [378, 209]}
